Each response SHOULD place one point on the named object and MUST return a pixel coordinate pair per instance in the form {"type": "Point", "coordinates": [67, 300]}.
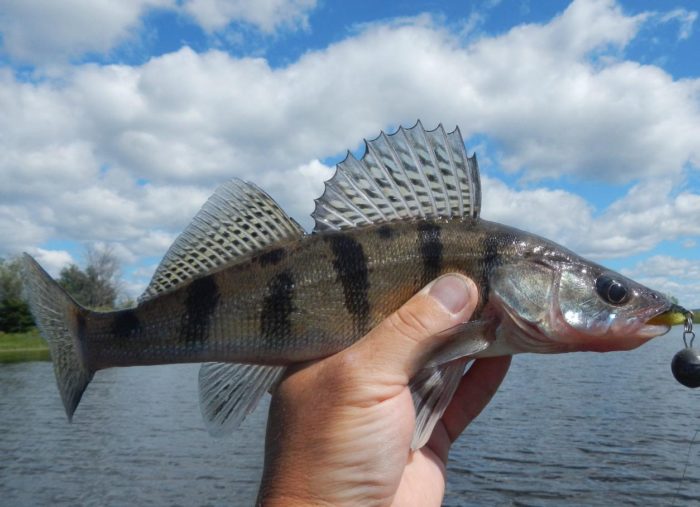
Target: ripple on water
{"type": "Point", "coordinates": [576, 429]}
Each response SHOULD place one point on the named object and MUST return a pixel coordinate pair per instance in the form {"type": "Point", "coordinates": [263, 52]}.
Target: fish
{"type": "Point", "coordinates": [247, 292]}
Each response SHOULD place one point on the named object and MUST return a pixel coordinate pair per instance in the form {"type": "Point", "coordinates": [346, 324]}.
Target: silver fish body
{"type": "Point", "coordinates": [245, 285]}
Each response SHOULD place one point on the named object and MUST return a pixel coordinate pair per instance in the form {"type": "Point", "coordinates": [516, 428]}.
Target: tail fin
{"type": "Point", "coordinates": [61, 321]}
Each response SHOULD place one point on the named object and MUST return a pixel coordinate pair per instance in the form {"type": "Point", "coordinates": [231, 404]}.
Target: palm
{"type": "Point", "coordinates": [356, 437]}
{"type": "Point", "coordinates": [423, 480]}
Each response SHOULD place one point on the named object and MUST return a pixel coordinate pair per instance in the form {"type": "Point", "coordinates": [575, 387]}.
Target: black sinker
{"type": "Point", "coordinates": [686, 367]}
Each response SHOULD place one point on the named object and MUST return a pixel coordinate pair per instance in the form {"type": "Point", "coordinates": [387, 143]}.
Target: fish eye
{"type": "Point", "coordinates": [611, 290]}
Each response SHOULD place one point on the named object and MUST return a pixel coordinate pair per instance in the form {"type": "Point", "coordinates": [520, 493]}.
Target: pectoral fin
{"type": "Point", "coordinates": [465, 340]}
{"type": "Point", "coordinates": [433, 387]}
{"type": "Point", "coordinates": [432, 390]}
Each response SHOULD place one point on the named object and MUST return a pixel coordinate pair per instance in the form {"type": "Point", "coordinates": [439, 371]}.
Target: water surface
{"type": "Point", "coordinates": [575, 429]}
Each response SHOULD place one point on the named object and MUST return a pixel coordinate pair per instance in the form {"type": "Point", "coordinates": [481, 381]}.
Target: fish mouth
{"type": "Point", "coordinates": [661, 323]}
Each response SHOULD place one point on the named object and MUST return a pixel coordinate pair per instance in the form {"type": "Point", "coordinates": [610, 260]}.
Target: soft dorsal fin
{"type": "Point", "coordinates": [236, 221]}
{"type": "Point", "coordinates": [412, 173]}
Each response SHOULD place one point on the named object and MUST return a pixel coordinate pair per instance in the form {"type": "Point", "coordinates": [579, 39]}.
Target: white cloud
{"type": "Point", "coordinates": [648, 214]}
{"type": "Point", "coordinates": [677, 277]}
{"type": "Point", "coordinates": [297, 188]}
{"type": "Point", "coordinates": [196, 117]}
{"type": "Point", "coordinates": [556, 214]}
{"type": "Point", "coordinates": [48, 32]}
{"type": "Point", "coordinates": [686, 20]}
{"type": "Point", "coordinates": [267, 15]}
{"type": "Point", "coordinates": [41, 31]}
{"type": "Point", "coordinates": [52, 260]}
{"type": "Point", "coordinates": [663, 265]}
{"type": "Point", "coordinates": [19, 229]}
{"type": "Point", "coordinates": [558, 99]}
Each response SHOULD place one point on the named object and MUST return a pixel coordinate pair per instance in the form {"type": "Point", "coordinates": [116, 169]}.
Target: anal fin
{"type": "Point", "coordinates": [228, 392]}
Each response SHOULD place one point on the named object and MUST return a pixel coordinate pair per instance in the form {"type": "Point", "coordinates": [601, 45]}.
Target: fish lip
{"type": "Point", "coordinates": [653, 330]}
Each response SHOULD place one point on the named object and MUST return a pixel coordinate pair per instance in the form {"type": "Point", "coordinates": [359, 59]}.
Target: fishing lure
{"type": "Point", "coordinates": [686, 363]}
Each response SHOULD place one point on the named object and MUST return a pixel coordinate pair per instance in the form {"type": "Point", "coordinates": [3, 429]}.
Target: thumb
{"type": "Point", "coordinates": [400, 345]}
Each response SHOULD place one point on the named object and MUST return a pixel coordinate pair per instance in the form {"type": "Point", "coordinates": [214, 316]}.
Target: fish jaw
{"type": "Point", "coordinates": [660, 324]}
{"type": "Point", "coordinates": [554, 333]}
{"type": "Point", "coordinates": [628, 334]}
{"type": "Point", "coordinates": [616, 342]}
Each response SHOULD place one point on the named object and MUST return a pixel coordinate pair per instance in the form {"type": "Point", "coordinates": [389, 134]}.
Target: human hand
{"type": "Point", "coordinates": [340, 429]}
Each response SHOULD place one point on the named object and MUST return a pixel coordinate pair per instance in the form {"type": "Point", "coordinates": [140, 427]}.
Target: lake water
{"type": "Point", "coordinates": [575, 429]}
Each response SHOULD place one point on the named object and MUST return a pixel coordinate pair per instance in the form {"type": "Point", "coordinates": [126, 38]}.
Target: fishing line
{"type": "Point", "coordinates": [688, 335]}
{"type": "Point", "coordinates": [685, 468]}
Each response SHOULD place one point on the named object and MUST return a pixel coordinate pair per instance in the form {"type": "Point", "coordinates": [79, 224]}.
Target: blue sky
{"type": "Point", "coordinates": [120, 118]}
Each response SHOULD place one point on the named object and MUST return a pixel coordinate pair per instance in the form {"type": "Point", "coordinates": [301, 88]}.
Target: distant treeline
{"type": "Point", "coordinates": [97, 287]}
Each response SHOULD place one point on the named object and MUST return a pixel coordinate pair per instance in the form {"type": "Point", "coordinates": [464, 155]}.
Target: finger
{"type": "Point", "coordinates": [400, 344]}
{"type": "Point", "coordinates": [475, 390]}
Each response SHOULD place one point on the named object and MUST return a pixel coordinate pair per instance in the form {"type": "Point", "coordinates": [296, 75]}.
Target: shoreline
{"type": "Point", "coordinates": [21, 347]}
{"type": "Point", "coordinates": [9, 356]}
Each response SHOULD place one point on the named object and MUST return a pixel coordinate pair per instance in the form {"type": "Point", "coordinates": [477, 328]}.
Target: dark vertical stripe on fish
{"type": "Point", "coordinates": [491, 259]}
{"type": "Point", "coordinates": [272, 257]}
{"type": "Point", "coordinates": [430, 246]}
{"type": "Point", "coordinates": [125, 323]}
{"type": "Point", "coordinates": [200, 303]}
{"type": "Point", "coordinates": [277, 308]}
{"type": "Point", "coordinates": [81, 325]}
{"type": "Point", "coordinates": [350, 266]}
{"type": "Point", "coordinates": [385, 231]}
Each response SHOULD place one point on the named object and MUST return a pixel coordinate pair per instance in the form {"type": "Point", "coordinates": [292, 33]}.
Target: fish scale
{"type": "Point", "coordinates": [298, 302]}
{"type": "Point", "coordinates": [245, 290]}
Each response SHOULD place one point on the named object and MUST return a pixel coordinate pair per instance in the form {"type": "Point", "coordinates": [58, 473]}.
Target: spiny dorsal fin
{"type": "Point", "coordinates": [412, 173]}
{"type": "Point", "coordinates": [236, 221]}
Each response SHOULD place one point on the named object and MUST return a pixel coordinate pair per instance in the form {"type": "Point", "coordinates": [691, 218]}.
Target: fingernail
{"type": "Point", "coordinates": [451, 292]}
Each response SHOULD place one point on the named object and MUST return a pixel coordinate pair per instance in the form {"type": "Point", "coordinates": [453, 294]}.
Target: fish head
{"type": "Point", "coordinates": [563, 303]}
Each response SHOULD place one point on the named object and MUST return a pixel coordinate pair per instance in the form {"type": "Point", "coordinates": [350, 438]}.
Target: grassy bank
{"type": "Point", "coordinates": [18, 347]}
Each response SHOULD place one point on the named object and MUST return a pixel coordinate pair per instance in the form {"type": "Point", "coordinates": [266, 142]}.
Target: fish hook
{"type": "Point", "coordinates": [688, 333]}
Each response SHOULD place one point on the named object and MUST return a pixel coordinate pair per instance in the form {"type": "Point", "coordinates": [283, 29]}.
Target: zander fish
{"type": "Point", "coordinates": [246, 288]}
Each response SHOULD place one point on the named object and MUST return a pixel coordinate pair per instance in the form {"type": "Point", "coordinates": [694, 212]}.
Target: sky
{"type": "Point", "coordinates": [119, 119]}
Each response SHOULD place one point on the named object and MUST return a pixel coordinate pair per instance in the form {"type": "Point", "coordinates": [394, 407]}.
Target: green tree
{"type": "Point", "coordinates": [98, 285]}
{"type": "Point", "coordinates": [15, 316]}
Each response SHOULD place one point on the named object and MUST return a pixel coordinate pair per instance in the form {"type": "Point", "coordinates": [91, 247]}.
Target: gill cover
{"type": "Point", "coordinates": [583, 304]}
{"type": "Point", "coordinates": [525, 289]}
